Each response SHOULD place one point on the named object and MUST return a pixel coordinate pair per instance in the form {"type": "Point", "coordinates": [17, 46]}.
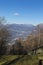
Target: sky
{"type": "Point", "coordinates": [22, 11]}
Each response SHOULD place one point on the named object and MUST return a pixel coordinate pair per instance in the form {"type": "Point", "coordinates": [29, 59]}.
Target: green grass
{"type": "Point", "coordinates": [7, 58]}
{"type": "Point", "coordinates": [26, 60]}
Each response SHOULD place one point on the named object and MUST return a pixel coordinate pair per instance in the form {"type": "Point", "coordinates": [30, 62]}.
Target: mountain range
{"type": "Point", "coordinates": [21, 30]}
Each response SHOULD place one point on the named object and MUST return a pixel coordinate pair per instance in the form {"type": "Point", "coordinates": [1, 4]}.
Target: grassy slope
{"type": "Point", "coordinates": [8, 58]}
{"type": "Point", "coordinates": [26, 60]}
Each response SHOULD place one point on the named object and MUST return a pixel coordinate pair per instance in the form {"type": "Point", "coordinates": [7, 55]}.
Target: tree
{"type": "Point", "coordinates": [18, 46]}
{"type": "Point", "coordinates": [13, 50]}
{"type": "Point", "coordinates": [4, 34]}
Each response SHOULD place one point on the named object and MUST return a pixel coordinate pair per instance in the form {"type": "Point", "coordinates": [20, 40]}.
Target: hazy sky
{"type": "Point", "coordinates": [22, 11]}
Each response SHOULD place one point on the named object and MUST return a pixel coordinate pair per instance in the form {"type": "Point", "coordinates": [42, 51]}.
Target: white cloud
{"type": "Point", "coordinates": [16, 14]}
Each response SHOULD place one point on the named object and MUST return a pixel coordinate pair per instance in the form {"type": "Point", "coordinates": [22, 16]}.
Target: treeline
{"type": "Point", "coordinates": [34, 40]}
{"type": "Point", "coordinates": [5, 48]}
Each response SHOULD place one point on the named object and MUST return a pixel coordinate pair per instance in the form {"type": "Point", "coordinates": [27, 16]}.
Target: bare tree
{"type": "Point", "coordinates": [4, 34]}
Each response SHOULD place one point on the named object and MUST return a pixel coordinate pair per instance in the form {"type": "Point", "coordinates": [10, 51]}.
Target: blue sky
{"type": "Point", "coordinates": [22, 11]}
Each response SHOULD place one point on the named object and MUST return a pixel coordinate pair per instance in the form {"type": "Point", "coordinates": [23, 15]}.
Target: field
{"type": "Point", "coordinates": [20, 59]}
